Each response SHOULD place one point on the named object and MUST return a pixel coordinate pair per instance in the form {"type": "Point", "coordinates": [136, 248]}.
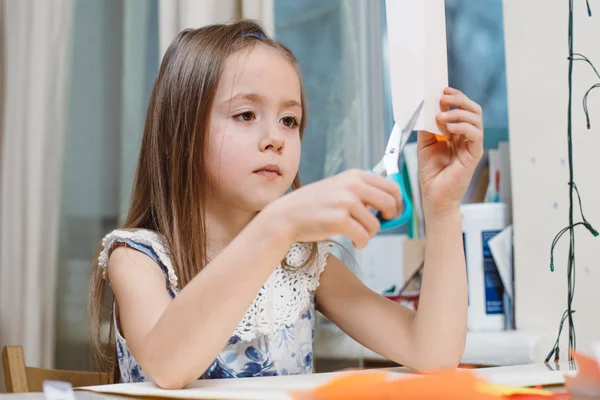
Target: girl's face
{"type": "Point", "coordinates": [254, 138]}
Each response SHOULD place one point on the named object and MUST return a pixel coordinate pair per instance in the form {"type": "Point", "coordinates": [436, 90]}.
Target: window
{"type": "Point", "coordinates": [476, 63]}
{"type": "Point", "coordinates": [342, 49]}
{"type": "Point", "coordinates": [338, 44]}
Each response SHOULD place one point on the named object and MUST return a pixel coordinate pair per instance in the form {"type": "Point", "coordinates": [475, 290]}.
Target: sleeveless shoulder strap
{"type": "Point", "coordinates": [145, 238]}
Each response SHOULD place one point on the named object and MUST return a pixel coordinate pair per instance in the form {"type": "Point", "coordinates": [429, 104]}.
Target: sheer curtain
{"type": "Point", "coordinates": [176, 15]}
{"type": "Point", "coordinates": [35, 48]}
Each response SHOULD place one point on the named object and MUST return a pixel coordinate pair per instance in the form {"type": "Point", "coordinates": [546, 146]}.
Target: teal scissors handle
{"type": "Point", "coordinates": [389, 165]}
{"type": "Point", "coordinates": [387, 224]}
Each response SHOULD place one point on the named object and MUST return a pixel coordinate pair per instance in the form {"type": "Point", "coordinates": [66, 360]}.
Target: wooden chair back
{"type": "Point", "coordinates": [22, 379]}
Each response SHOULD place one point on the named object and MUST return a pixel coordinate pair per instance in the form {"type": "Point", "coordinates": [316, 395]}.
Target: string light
{"type": "Point", "coordinates": [573, 190]}
{"type": "Point", "coordinates": [581, 57]}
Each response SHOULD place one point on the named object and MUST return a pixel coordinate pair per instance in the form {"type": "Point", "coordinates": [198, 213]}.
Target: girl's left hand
{"type": "Point", "coordinates": [446, 167]}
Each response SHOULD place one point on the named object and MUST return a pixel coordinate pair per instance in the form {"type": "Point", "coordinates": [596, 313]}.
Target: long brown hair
{"type": "Point", "coordinates": [170, 178]}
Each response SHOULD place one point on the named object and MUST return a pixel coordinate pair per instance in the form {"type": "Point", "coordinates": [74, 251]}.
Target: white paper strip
{"type": "Point", "coordinates": [418, 58]}
{"type": "Point", "coordinates": [278, 388]}
{"type": "Point", "coordinates": [259, 388]}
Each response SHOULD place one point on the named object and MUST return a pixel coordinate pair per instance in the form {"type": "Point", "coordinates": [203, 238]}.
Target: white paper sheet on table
{"type": "Point", "coordinates": [418, 58]}
{"type": "Point", "coordinates": [262, 388]}
{"type": "Point", "coordinates": [279, 388]}
{"type": "Point", "coordinates": [524, 375]}
{"type": "Point", "coordinates": [527, 375]}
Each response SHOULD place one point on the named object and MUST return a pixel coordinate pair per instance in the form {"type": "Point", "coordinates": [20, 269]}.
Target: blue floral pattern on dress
{"type": "Point", "coordinates": [288, 352]}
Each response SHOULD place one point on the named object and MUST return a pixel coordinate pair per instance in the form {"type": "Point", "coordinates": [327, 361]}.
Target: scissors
{"type": "Point", "coordinates": [389, 167]}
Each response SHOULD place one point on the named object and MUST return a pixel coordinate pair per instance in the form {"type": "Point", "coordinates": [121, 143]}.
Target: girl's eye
{"type": "Point", "coordinates": [247, 116]}
{"type": "Point", "coordinates": [289, 122]}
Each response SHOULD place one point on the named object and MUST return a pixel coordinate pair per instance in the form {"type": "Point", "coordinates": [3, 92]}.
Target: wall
{"type": "Point", "coordinates": [537, 66]}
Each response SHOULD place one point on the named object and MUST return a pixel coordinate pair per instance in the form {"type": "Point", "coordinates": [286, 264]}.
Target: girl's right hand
{"type": "Point", "coordinates": [340, 205]}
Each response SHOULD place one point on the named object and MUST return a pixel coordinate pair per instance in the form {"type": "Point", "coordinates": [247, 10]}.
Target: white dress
{"type": "Point", "coordinates": [275, 336]}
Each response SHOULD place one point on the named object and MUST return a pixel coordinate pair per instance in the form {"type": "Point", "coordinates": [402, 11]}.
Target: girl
{"type": "Point", "coordinates": [217, 271]}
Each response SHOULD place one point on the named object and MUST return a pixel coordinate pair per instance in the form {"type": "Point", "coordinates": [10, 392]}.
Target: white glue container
{"type": "Point", "coordinates": [481, 222]}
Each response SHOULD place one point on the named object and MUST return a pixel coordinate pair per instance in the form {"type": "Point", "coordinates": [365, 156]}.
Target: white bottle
{"type": "Point", "coordinates": [481, 222]}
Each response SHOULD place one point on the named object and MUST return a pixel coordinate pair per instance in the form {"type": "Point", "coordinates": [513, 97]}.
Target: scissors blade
{"type": "Point", "coordinates": [397, 141]}
{"type": "Point", "coordinates": [410, 125]}
{"type": "Point", "coordinates": [398, 138]}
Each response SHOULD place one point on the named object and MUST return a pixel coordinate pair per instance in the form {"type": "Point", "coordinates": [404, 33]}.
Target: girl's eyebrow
{"type": "Point", "coordinates": [291, 103]}
{"type": "Point", "coordinates": [257, 98]}
{"type": "Point", "coordinates": [253, 97]}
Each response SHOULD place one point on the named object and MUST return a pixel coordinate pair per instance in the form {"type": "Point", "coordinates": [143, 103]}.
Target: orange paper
{"type": "Point", "coordinates": [512, 391]}
{"type": "Point", "coordinates": [447, 385]}
{"type": "Point", "coordinates": [587, 381]}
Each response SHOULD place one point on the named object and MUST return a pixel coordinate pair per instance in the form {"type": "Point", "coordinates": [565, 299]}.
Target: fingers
{"type": "Point", "coordinates": [388, 202]}
{"type": "Point", "coordinates": [456, 108]}
{"type": "Point", "coordinates": [455, 98]}
{"type": "Point", "coordinates": [368, 222]}
{"type": "Point", "coordinates": [382, 194]}
{"type": "Point", "coordinates": [361, 191]}
{"type": "Point", "coordinates": [464, 119]}
{"type": "Point", "coordinates": [356, 232]}
{"type": "Point", "coordinates": [352, 222]}
{"type": "Point", "coordinates": [469, 131]}
{"type": "Point", "coordinates": [460, 116]}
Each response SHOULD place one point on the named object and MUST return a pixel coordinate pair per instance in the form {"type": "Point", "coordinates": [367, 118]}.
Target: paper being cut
{"type": "Point", "coordinates": [418, 58]}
